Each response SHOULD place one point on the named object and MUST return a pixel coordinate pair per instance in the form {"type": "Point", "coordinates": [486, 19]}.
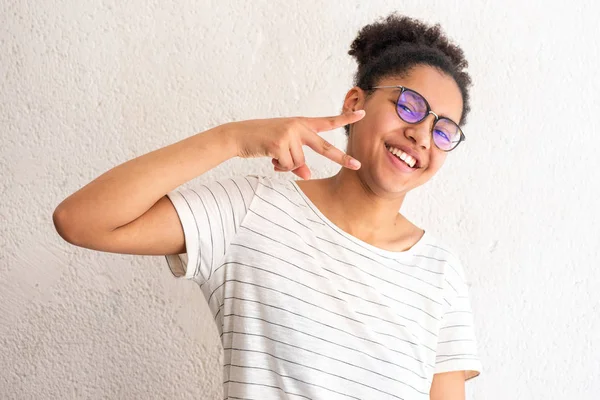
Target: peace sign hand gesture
{"type": "Point", "coordinates": [282, 140]}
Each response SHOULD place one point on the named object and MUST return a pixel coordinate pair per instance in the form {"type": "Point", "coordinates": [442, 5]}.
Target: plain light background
{"type": "Point", "coordinates": [88, 85]}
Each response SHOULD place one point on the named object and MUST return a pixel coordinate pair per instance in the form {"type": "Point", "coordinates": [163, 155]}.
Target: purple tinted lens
{"type": "Point", "coordinates": [411, 106]}
{"type": "Point", "coordinates": [446, 134]}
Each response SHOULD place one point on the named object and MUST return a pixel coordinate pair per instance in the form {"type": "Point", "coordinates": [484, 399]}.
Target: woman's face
{"type": "Point", "coordinates": [381, 127]}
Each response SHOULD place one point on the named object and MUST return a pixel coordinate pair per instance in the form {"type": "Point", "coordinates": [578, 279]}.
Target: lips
{"type": "Point", "coordinates": [408, 151]}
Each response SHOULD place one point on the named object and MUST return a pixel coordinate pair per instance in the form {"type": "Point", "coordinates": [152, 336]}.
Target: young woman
{"type": "Point", "coordinates": [320, 289]}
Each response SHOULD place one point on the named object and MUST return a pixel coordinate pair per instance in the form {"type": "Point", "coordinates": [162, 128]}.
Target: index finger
{"type": "Point", "coordinates": [322, 124]}
{"type": "Point", "coordinates": [323, 147]}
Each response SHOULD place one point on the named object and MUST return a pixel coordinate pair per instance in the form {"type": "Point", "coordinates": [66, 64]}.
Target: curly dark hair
{"type": "Point", "coordinates": [394, 44]}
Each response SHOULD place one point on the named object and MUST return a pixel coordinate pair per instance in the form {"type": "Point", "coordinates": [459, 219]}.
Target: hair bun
{"type": "Point", "coordinates": [396, 31]}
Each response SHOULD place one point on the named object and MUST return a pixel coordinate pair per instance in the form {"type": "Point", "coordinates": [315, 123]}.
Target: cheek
{"type": "Point", "coordinates": [437, 160]}
{"type": "Point", "coordinates": [384, 120]}
{"type": "Point", "coordinates": [376, 124]}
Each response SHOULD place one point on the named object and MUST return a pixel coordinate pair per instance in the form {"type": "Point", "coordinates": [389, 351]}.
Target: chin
{"type": "Point", "coordinates": [387, 185]}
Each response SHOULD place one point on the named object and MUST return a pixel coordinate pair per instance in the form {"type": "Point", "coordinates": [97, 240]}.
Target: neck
{"type": "Point", "coordinates": [357, 209]}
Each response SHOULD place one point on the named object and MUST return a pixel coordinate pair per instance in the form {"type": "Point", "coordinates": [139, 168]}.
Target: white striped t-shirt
{"type": "Point", "coordinates": [307, 311]}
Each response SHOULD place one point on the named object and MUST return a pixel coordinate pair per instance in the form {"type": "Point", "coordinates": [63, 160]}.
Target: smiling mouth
{"type": "Point", "coordinates": [402, 156]}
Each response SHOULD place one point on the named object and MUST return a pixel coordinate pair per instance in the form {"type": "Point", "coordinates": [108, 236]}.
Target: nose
{"type": "Point", "coordinates": [420, 133]}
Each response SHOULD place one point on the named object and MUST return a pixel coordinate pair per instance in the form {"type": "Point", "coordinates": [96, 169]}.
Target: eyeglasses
{"type": "Point", "coordinates": [413, 108]}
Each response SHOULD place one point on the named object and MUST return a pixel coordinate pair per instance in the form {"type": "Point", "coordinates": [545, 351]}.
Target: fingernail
{"type": "Point", "coordinates": [354, 163]}
{"type": "Point", "coordinates": [359, 112]}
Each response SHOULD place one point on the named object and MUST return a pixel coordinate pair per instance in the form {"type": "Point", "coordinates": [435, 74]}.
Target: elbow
{"type": "Point", "coordinates": [60, 219]}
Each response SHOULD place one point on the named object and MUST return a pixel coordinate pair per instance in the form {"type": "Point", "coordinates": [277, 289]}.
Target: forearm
{"type": "Point", "coordinates": [128, 190]}
{"type": "Point", "coordinates": [448, 386]}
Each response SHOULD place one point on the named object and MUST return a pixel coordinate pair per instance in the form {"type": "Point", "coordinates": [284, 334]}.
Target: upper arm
{"type": "Point", "coordinates": [156, 232]}
{"type": "Point", "coordinates": [448, 386]}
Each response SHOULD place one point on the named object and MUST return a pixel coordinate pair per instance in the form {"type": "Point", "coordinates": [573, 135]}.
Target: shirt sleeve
{"type": "Point", "coordinates": [210, 215]}
{"type": "Point", "coordinates": [457, 344]}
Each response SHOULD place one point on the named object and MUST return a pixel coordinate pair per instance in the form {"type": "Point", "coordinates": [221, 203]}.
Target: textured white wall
{"type": "Point", "coordinates": [87, 85]}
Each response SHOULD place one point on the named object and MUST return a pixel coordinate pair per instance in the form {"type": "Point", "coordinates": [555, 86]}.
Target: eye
{"type": "Point", "coordinates": [442, 135]}
{"type": "Point", "coordinates": [405, 108]}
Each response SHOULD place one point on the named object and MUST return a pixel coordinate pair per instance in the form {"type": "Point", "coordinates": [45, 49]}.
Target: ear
{"type": "Point", "coordinates": [354, 100]}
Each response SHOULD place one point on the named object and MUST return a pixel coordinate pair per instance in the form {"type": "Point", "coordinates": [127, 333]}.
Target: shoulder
{"type": "Point", "coordinates": [253, 182]}
{"type": "Point", "coordinates": [276, 191]}
{"type": "Point", "coordinates": [437, 249]}
{"type": "Point", "coordinates": [272, 183]}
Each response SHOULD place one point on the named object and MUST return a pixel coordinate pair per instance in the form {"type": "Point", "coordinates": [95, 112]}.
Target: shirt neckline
{"type": "Point", "coordinates": [354, 239]}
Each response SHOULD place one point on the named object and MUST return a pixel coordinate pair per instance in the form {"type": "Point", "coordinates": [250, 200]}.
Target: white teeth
{"type": "Point", "coordinates": [409, 160]}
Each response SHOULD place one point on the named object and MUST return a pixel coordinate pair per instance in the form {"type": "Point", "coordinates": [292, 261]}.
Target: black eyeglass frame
{"type": "Point", "coordinates": [429, 111]}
